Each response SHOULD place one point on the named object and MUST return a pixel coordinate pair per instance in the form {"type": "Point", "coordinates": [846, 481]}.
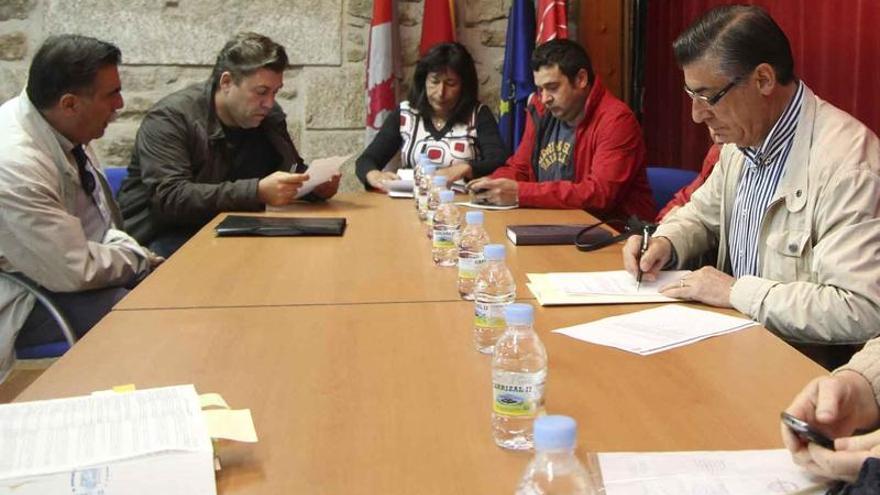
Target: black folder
{"type": "Point", "coordinates": [241, 225]}
{"type": "Point", "coordinates": [543, 235]}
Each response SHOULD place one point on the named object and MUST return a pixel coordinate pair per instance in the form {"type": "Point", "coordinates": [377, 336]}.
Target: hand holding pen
{"type": "Point", "coordinates": [644, 256]}
{"type": "Point", "coordinates": [646, 235]}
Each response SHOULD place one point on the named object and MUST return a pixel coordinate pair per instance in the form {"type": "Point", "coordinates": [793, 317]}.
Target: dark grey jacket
{"type": "Point", "coordinates": [177, 180]}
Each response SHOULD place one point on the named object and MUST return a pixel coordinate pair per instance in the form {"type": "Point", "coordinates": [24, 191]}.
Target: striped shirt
{"type": "Point", "coordinates": [764, 167]}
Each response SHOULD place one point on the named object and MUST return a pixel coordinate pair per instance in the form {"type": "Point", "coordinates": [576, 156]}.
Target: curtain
{"type": "Point", "coordinates": [836, 48]}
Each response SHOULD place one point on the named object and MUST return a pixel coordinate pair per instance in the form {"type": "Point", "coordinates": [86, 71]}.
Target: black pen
{"type": "Point", "coordinates": [646, 234]}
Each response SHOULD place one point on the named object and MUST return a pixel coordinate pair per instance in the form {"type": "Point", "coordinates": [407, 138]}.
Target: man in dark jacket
{"type": "Point", "coordinates": [216, 146]}
{"type": "Point", "coordinates": [582, 147]}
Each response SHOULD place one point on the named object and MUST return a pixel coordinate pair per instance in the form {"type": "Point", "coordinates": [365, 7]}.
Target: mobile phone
{"type": "Point", "coordinates": [806, 432]}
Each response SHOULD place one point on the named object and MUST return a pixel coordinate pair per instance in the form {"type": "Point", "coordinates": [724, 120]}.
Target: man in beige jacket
{"type": "Point", "coordinates": [792, 203]}
{"type": "Point", "coordinates": [59, 226]}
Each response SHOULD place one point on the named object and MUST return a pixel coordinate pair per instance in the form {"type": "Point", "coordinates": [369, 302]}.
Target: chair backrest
{"type": "Point", "coordinates": [665, 182]}
{"type": "Point", "coordinates": [115, 176]}
{"type": "Point", "coordinates": [52, 349]}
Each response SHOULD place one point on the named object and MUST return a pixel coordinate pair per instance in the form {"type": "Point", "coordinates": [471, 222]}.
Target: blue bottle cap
{"type": "Point", "coordinates": [447, 196]}
{"type": "Point", "coordinates": [474, 218]}
{"type": "Point", "coordinates": [519, 314]}
{"type": "Point", "coordinates": [493, 252]}
{"type": "Point", "coordinates": [429, 169]}
{"type": "Point", "coordinates": [555, 432]}
{"type": "Point", "coordinates": [439, 180]}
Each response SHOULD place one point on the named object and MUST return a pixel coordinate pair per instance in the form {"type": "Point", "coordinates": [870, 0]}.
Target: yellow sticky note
{"type": "Point", "coordinates": [121, 389]}
{"type": "Point", "coordinates": [212, 400]}
{"type": "Point", "coordinates": [229, 424]}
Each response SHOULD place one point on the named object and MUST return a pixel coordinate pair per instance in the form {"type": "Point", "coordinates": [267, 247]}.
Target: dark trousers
{"type": "Point", "coordinates": [82, 310]}
{"type": "Point", "coordinates": [166, 244]}
{"type": "Point", "coordinates": [829, 357]}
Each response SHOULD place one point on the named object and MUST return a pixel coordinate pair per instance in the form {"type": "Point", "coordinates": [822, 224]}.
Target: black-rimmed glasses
{"type": "Point", "coordinates": [711, 100]}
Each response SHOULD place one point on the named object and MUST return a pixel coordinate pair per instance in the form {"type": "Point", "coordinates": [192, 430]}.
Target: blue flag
{"type": "Point", "coordinates": [517, 82]}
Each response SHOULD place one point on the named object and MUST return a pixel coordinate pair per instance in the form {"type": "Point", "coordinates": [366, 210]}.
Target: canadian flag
{"type": "Point", "coordinates": [383, 65]}
{"type": "Point", "coordinates": [552, 20]}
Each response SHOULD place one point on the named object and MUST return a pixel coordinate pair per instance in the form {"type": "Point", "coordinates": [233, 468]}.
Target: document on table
{"type": "Point", "coordinates": [320, 171]}
{"type": "Point", "coordinates": [655, 330]}
{"type": "Point", "coordinates": [599, 287]}
{"type": "Point", "coordinates": [148, 441]}
{"type": "Point", "coordinates": [481, 206]}
{"type": "Point", "coordinates": [745, 472]}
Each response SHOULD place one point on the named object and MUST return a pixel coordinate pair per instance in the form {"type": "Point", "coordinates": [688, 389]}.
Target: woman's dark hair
{"type": "Point", "coordinates": [569, 56]}
{"type": "Point", "coordinates": [455, 57]}
{"type": "Point", "coordinates": [741, 37]}
{"type": "Point", "coordinates": [67, 63]}
{"type": "Point", "coordinates": [245, 54]}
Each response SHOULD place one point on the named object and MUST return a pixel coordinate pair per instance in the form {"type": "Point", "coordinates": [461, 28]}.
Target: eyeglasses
{"type": "Point", "coordinates": [711, 100]}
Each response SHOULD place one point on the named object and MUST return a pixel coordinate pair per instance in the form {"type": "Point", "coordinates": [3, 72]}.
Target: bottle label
{"type": "Point", "coordinates": [489, 315]}
{"type": "Point", "coordinates": [423, 201]}
{"type": "Point", "coordinates": [468, 267]}
{"type": "Point", "coordinates": [429, 218]}
{"type": "Point", "coordinates": [518, 394]}
{"type": "Point", "coordinates": [444, 239]}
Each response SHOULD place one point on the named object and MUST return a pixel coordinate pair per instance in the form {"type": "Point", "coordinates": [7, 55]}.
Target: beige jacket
{"type": "Point", "coordinates": [819, 252]}
{"type": "Point", "coordinates": [867, 363]}
{"type": "Point", "coordinates": [40, 236]}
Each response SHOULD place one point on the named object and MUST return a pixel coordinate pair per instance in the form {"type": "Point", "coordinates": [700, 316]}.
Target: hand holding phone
{"type": "Point", "coordinates": [806, 432]}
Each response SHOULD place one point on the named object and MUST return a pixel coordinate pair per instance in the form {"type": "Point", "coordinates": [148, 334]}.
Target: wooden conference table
{"type": "Point", "coordinates": [383, 257]}
{"type": "Point", "coordinates": [390, 396]}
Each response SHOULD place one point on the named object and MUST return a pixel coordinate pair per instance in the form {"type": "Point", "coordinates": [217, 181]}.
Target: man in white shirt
{"type": "Point", "coordinates": [59, 225]}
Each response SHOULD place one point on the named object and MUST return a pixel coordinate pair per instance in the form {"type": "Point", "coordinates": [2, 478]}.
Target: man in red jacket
{"type": "Point", "coordinates": [582, 147]}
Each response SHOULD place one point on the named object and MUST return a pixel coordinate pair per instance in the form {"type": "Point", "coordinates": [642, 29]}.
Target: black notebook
{"type": "Point", "coordinates": [240, 225]}
{"type": "Point", "coordinates": [542, 235]}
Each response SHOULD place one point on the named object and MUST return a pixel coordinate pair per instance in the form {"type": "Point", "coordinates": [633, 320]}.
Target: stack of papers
{"type": "Point", "coordinates": [552, 289]}
{"type": "Point", "coordinates": [403, 187]}
{"type": "Point", "coordinates": [745, 472]}
{"type": "Point", "coordinates": [655, 330]}
{"type": "Point", "coordinates": [143, 442]}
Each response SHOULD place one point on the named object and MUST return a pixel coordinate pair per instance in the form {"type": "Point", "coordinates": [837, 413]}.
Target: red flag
{"type": "Point", "coordinates": [552, 20]}
{"type": "Point", "coordinates": [438, 24]}
{"type": "Point", "coordinates": [383, 66]}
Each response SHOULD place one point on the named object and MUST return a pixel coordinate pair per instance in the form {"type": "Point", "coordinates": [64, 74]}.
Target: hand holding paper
{"type": "Point", "coordinates": [321, 171]}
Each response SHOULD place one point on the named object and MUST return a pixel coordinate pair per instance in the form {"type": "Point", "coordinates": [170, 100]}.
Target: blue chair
{"type": "Point", "coordinates": [665, 182]}
{"type": "Point", "coordinates": [52, 349]}
{"type": "Point", "coordinates": [115, 176]}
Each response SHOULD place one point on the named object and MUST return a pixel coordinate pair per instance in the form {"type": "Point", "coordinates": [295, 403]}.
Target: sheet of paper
{"type": "Point", "coordinates": [400, 194]}
{"type": "Point", "coordinates": [212, 400]}
{"type": "Point", "coordinates": [405, 174]}
{"type": "Point", "coordinates": [399, 186]}
{"type": "Point", "coordinates": [617, 282]}
{"type": "Point", "coordinates": [745, 472]}
{"type": "Point", "coordinates": [479, 206]}
{"type": "Point", "coordinates": [60, 435]}
{"type": "Point", "coordinates": [550, 293]}
{"type": "Point", "coordinates": [228, 424]}
{"type": "Point", "coordinates": [320, 171]}
{"type": "Point", "coordinates": [657, 329]}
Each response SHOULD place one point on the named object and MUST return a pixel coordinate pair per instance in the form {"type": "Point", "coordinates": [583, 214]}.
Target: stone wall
{"type": "Point", "coordinates": [169, 44]}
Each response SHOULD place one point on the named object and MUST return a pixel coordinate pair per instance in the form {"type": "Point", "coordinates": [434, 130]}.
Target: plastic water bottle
{"type": "Point", "coordinates": [494, 288]}
{"type": "Point", "coordinates": [417, 176]}
{"type": "Point", "coordinates": [519, 369]}
{"type": "Point", "coordinates": [438, 185]}
{"type": "Point", "coordinates": [447, 223]}
{"type": "Point", "coordinates": [424, 188]}
{"type": "Point", "coordinates": [555, 468]}
{"type": "Point", "coordinates": [470, 253]}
